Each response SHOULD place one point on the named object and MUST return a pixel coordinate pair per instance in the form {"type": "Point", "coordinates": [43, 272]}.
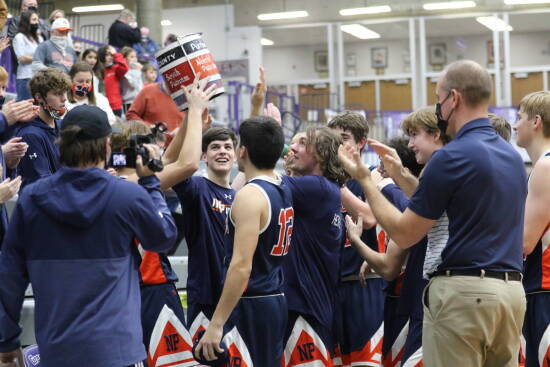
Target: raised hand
{"type": "Point", "coordinates": [351, 160]}
{"type": "Point", "coordinates": [354, 230]}
{"type": "Point", "coordinates": [196, 94]}
{"type": "Point", "coordinates": [390, 159]}
{"type": "Point", "coordinates": [258, 97]}
{"type": "Point", "coordinates": [273, 111]}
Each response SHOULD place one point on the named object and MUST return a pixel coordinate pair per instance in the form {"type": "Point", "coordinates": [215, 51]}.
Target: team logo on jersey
{"type": "Point", "coordinates": [337, 221]}
{"type": "Point", "coordinates": [219, 206]}
{"type": "Point", "coordinates": [33, 156]}
{"type": "Point", "coordinates": [228, 196]}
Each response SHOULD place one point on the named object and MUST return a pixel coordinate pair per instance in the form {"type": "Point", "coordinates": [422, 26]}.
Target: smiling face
{"type": "Point", "coordinates": [220, 156]}
{"type": "Point", "coordinates": [423, 144]}
{"type": "Point", "coordinates": [304, 161]}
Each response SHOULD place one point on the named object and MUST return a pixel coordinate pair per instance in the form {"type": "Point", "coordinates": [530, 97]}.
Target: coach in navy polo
{"type": "Point", "coordinates": [474, 304]}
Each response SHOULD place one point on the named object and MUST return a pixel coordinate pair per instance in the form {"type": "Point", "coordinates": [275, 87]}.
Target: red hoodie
{"type": "Point", "coordinates": [111, 78]}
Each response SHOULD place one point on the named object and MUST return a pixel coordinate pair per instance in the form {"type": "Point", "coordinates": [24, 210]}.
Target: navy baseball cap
{"type": "Point", "coordinates": [91, 119]}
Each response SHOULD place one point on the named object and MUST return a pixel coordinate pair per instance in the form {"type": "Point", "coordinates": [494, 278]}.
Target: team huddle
{"type": "Point", "coordinates": [437, 257]}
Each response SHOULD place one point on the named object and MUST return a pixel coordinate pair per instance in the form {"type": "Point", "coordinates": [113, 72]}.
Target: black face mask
{"type": "Point", "coordinates": [442, 123]}
{"type": "Point", "coordinates": [33, 8]}
{"type": "Point", "coordinates": [34, 27]}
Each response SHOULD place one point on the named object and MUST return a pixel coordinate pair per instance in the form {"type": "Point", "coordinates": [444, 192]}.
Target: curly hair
{"type": "Point", "coordinates": [49, 79]}
{"type": "Point", "coordinates": [324, 143]}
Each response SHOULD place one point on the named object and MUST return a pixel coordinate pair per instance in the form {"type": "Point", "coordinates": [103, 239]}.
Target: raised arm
{"type": "Point", "coordinates": [394, 167]}
{"type": "Point", "coordinates": [406, 228]}
{"type": "Point", "coordinates": [190, 152]}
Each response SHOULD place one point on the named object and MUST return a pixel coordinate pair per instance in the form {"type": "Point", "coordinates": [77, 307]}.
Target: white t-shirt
{"type": "Point", "coordinates": [100, 101]}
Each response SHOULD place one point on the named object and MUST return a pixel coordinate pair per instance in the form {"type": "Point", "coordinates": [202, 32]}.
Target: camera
{"type": "Point", "coordinates": [128, 156]}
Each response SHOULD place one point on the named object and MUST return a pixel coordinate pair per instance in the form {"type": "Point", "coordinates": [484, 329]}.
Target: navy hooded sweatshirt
{"type": "Point", "coordinates": [71, 235]}
{"type": "Point", "coordinates": [42, 158]}
{"type": "Point", "coordinates": [3, 211]}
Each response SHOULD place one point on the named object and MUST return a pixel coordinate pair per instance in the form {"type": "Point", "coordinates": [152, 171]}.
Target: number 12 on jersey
{"type": "Point", "coordinates": [286, 222]}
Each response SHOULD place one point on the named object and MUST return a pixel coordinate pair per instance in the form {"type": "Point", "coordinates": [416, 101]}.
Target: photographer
{"type": "Point", "coordinates": [79, 255]}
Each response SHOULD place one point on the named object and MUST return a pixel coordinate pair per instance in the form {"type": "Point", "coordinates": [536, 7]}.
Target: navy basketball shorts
{"type": "Point", "coordinates": [396, 329]}
{"type": "Point", "coordinates": [412, 352]}
{"type": "Point", "coordinates": [307, 341]}
{"type": "Point", "coordinates": [536, 330]}
{"type": "Point", "coordinates": [165, 336]}
{"type": "Point", "coordinates": [362, 309]}
{"type": "Point", "coordinates": [255, 331]}
{"type": "Point", "coordinates": [198, 317]}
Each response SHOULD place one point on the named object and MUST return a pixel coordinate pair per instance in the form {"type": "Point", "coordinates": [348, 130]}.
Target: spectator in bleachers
{"type": "Point", "coordinates": [114, 69]}
{"type": "Point", "coordinates": [171, 38]}
{"type": "Point", "coordinates": [147, 47]}
{"type": "Point", "coordinates": [56, 51]}
{"type": "Point", "coordinates": [56, 14]}
{"type": "Point", "coordinates": [49, 88]}
{"type": "Point", "coordinates": [124, 30]}
{"type": "Point", "coordinates": [25, 44]}
{"type": "Point", "coordinates": [13, 26]}
{"type": "Point", "coordinates": [150, 74]}
{"type": "Point", "coordinates": [77, 47]}
{"type": "Point", "coordinates": [90, 57]}
{"type": "Point", "coordinates": [154, 104]}
{"type": "Point", "coordinates": [82, 91]}
{"type": "Point", "coordinates": [132, 82]}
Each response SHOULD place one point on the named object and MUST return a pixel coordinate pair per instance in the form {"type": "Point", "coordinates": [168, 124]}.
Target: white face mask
{"type": "Point", "coordinates": [59, 41]}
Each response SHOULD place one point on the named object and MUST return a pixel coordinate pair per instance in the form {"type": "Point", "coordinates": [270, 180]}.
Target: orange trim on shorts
{"type": "Point", "coordinates": [545, 259]}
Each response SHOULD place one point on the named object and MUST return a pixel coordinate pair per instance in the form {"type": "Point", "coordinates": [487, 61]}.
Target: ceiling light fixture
{"type": "Point", "coordinates": [526, 2]}
{"type": "Point", "coordinates": [494, 24]}
{"type": "Point", "coordinates": [360, 31]}
{"type": "Point", "coordinates": [94, 8]}
{"type": "Point", "coordinates": [283, 15]}
{"type": "Point", "coordinates": [449, 5]}
{"type": "Point", "coordinates": [366, 10]}
{"type": "Point", "coordinates": [266, 42]}
{"type": "Point", "coordinates": [165, 22]}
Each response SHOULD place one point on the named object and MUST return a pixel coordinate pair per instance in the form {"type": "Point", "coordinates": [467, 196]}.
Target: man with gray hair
{"type": "Point", "coordinates": [474, 304]}
{"type": "Point", "coordinates": [124, 31]}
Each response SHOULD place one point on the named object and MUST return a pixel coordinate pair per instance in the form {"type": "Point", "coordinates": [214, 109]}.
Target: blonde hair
{"type": "Point", "coordinates": [538, 103]}
{"type": "Point", "coordinates": [501, 126]}
{"type": "Point", "coordinates": [425, 119]}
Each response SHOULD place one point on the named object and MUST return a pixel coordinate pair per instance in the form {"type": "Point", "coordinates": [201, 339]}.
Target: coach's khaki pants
{"type": "Point", "coordinates": [471, 322]}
